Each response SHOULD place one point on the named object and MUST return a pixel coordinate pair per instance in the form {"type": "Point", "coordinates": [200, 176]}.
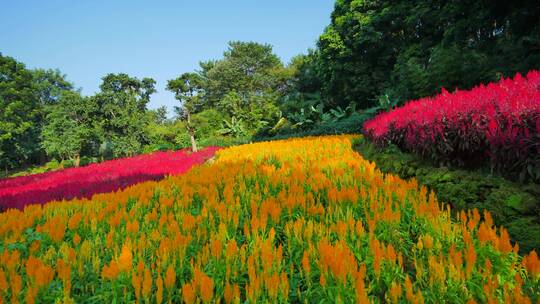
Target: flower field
{"type": "Point", "coordinates": [96, 178]}
{"type": "Point", "coordinates": [499, 122]}
{"type": "Point", "coordinates": [302, 220]}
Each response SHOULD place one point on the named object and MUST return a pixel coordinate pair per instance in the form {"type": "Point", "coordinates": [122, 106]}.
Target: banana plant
{"type": "Point", "coordinates": [301, 119]}
{"type": "Point", "coordinates": [234, 127]}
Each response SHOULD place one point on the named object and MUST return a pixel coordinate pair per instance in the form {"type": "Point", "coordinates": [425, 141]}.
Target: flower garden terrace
{"type": "Point", "coordinates": [286, 221]}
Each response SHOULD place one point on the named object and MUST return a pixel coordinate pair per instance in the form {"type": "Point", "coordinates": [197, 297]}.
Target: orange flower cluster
{"type": "Point", "coordinates": [300, 220]}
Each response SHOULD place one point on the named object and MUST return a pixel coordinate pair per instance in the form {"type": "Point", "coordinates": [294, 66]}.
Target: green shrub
{"type": "Point", "coordinates": [348, 125]}
{"type": "Point", "coordinates": [223, 141]}
{"type": "Point", "coordinates": [86, 160]}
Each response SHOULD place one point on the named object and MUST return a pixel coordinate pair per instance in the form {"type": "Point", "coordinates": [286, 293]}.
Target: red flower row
{"type": "Point", "coordinates": [499, 121]}
{"type": "Point", "coordinates": [96, 178]}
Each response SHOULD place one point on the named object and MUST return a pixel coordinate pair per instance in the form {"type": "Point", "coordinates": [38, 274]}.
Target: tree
{"type": "Point", "coordinates": [19, 114]}
{"type": "Point", "coordinates": [245, 84]}
{"type": "Point", "coordinates": [121, 112]}
{"type": "Point", "coordinates": [25, 96]}
{"type": "Point", "coordinates": [68, 127]}
{"type": "Point", "coordinates": [49, 85]}
{"type": "Point", "coordinates": [186, 89]}
{"type": "Point", "coordinates": [408, 49]}
{"type": "Point", "coordinates": [159, 115]}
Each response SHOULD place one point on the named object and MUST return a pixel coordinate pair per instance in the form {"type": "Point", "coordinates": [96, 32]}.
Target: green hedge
{"type": "Point", "coordinates": [515, 206]}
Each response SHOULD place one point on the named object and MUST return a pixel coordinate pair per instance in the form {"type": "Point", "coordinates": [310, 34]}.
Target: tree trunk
{"type": "Point", "coordinates": [191, 132]}
{"type": "Point", "coordinates": [77, 160]}
{"type": "Point", "coordinates": [193, 142]}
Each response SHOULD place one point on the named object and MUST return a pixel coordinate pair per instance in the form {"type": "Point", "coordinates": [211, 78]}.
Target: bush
{"type": "Point", "coordinates": [161, 147]}
{"type": "Point", "coordinates": [222, 141]}
{"type": "Point", "coordinates": [496, 125]}
{"type": "Point", "coordinates": [350, 125]}
{"type": "Point", "coordinates": [515, 206]}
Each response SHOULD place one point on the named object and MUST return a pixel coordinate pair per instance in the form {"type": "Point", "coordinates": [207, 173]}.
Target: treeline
{"type": "Point", "coordinates": [373, 56]}
{"type": "Point", "coordinates": [43, 116]}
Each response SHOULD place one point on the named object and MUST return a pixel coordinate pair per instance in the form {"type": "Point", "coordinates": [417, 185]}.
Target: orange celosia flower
{"type": "Point", "coordinates": [16, 286]}
{"type": "Point", "coordinates": [159, 291]}
{"type": "Point", "coordinates": [470, 258]}
{"type": "Point", "coordinates": [206, 288]}
{"type": "Point", "coordinates": [305, 263]}
{"type": "Point", "coordinates": [395, 292]}
{"type": "Point", "coordinates": [228, 293]}
{"type": "Point", "coordinates": [216, 248]}
{"type": "Point", "coordinates": [111, 271]}
{"type": "Point", "coordinates": [147, 283]}
{"type": "Point", "coordinates": [76, 239]}
{"type": "Point", "coordinates": [41, 273]}
{"type": "Point", "coordinates": [428, 241]}
{"type": "Point", "coordinates": [125, 260]}
{"type": "Point", "coordinates": [532, 263]}
{"type": "Point", "coordinates": [74, 220]}
{"type": "Point", "coordinates": [232, 249]}
{"type": "Point", "coordinates": [64, 273]}
{"type": "Point", "coordinates": [360, 286]}
{"type": "Point", "coordinates": [170, 277]}
{"type": "Point", "coordinates": [322, 280]}
{"type": "Point", "coordinates": [31, 294]}
{"type": "Point", "coordinates": [504, 241]}
{"type": "Point", "coordinates": [188, 293]}
{"type": "Point", "coordinates": [136, 283]}
{"type": "Point", "coordinates": [409, 292]}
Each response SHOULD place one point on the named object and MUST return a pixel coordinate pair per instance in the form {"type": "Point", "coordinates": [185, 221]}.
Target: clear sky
{"type": "Point", "coordinates": [87, 39]}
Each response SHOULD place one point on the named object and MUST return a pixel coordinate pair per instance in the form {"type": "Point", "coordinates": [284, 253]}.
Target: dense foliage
{"type": "Point", "coordinates": [243, 88]}
{"type": "Point", "coordinates": [24, 95]}
{"type": "Point", "coordinates": [304, 220]}
{"type": "Point", "coordinates": [497, 123]}
{"type": "Point", "coordinates": [513, 205]}
{"type": "Point", "coordinates": [96, 178]}
{"type": "Point", "coordinates": [411, 49]}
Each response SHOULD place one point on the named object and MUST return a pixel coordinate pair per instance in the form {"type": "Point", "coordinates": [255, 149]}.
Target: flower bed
{"type": "Point", "coordinates": [303, 220]}
{"type": "Point", "coordinates": [96, 178]}
{"type": "Point", "coordinates": [497, 124]}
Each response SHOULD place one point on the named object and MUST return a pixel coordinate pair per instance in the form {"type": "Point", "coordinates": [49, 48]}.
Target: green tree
{"type": "Point", "coordinates": [49, 85]}
{"type": "Point", "coordinates": [69, 127]}
{"type": "Point", "coordinates": [19, 114]}
{"type": "Point", "coordinates": [25, 96]}
{"type": "Point", "coordinates": [159, 115]}
{"type": "Point", "coordinates": [408, 49]}
{"type": "Point", "coordinates": [186, 90]}
{"type": "Point", "coordinates": [245, 84]}
{"type": "Point", "coordinates": [121, 116]}
{"type": "Point", "coordinates": [207, 123]}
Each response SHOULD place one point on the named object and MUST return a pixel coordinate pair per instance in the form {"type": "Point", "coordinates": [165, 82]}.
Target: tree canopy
{"type": "Point", "coordinates": [410, 49]}
{"type": "Point", "coordinates": [121, 110]}
{"type": "Point", "coordinates": [68, 127]}
{"type": "Point", "coordinates": [24, 95]}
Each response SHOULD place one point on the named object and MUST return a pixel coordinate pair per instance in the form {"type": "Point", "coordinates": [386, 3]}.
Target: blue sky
{"type": "Point", "coordinates": [158, 39]}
